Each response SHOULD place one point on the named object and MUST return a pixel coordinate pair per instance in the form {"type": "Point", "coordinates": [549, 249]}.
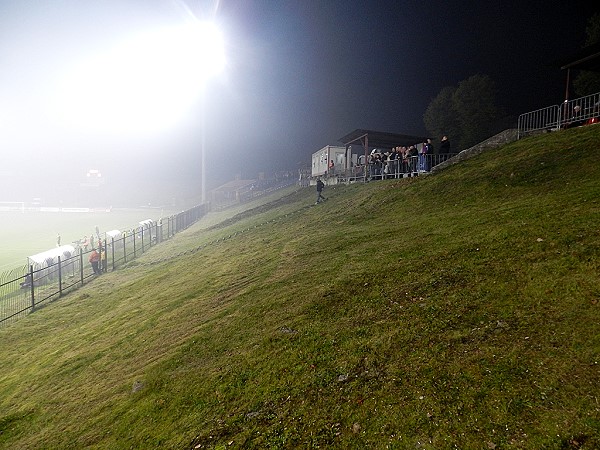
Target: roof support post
{"type": "Point", "coordinates": [366, 145]}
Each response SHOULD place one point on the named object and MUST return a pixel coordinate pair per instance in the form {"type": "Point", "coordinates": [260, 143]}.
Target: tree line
{"type": "Point", "coordinates": [468, 113]}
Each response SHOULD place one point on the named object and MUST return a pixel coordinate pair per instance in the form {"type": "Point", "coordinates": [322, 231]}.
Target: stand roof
{"type": "Point", "coordinates": [380, 139]}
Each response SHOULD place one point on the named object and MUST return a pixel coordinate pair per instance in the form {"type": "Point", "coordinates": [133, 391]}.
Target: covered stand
{"type": "Point", "coordinates": [377, 139]}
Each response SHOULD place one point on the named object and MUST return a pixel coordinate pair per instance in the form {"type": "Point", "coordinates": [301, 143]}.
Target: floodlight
{"type": "Point", "coordinates": [147, 82]}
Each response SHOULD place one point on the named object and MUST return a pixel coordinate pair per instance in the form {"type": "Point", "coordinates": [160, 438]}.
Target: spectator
{"type": "Point", "coordinates": [427, 152]}
{"type": "Point", "coordinates": [102, 257]}
{"type": "Point", "coordinates": [378, 165]}
{"type": "Point", "coordinates": [331, 168]}
{"type": "Point", "coordinates": [393, 161]}
{"type": "Point", "coordinates": [403, 160]}
{"type": "Point", "coordinates": [577, 117]}
{"type": "Point", "coordinates": [384, 165]}
{"type": "Point", "coordinates": [422, 157]}
{"type": "Point", "coordinates": [413, 154]}
{"type": "Point", "coordinates": [444, 148]}
{"type": "Point", "coordinates": [372, 164]}
{"type": "Point", "coordinates": [95, 261]}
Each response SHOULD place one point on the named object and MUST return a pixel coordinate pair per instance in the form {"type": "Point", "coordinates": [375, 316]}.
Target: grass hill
{"type": "Point", "coordinates": [459, 310]}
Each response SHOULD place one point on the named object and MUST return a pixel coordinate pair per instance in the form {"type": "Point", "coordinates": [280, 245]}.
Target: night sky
{"type": "Point", "coordinates": [299, 75]}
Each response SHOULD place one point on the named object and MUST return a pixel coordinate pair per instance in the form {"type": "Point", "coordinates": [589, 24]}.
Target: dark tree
{"type": "Point", "coordinates": [467, 114]}
{"type": "Point", "coordinates": [587, 82]}
{"type": "Point", "coordinates": [475, 104]}
{"type": "Point", "coordinates": [440, 118]}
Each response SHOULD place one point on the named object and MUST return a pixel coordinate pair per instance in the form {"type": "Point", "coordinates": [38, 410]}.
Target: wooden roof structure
{"type": "Point", "coordinates": [379, 139]}
{"type": "Point", "coordinates": [588, 58]}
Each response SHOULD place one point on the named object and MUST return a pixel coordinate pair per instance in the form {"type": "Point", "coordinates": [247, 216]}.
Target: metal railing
{"type": "Point", "coordinates": [398, 168]}
{"type": "Point", "coordinates": [572, 113]}
{"type": "Point", "coordinates": [26, 289]}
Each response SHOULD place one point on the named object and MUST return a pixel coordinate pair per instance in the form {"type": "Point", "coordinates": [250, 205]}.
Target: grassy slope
{"type": "Point", "coordinates": [459, 309]}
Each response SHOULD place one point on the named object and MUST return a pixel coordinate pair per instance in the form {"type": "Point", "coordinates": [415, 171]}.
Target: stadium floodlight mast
{"type": "Point", "coordinates": [211, 51]}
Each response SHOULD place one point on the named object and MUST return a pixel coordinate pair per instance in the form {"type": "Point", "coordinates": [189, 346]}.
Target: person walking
{"type": "Point", "coordinates": [320, 187]}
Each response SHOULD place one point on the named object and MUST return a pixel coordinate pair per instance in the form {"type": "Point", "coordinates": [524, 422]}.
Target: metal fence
{"type": "Point", "coordinates": [573, 113]}
{"type": "Point", "coordinates": [26, 289]}
{"type": "Point", "coordinates": [399, 168]}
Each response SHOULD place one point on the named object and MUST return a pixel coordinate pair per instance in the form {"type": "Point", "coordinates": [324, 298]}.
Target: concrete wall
{"type": "Point", "coordinates": [502, 138]}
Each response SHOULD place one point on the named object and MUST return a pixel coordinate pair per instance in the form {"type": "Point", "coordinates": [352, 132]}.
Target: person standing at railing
{"type": "Point", "coordinates": [384, 165]}
{"type": "Point", "coordinates": [445, 145]}
{"type": "Point", "coordinates": [404, 161]}
{"type": "Point", "coordinates": [393, 162]}
{"type": "Point", "coordinates": [95, 261]}
{"type": "Point", "coordinates": [372, 165]}
{"type": "Point", "coordinates": [576, 117]}
{"type": "Point", "coordinates": [413, 155]}
{"type": "Point", "coordinates": [378, 165]}
{"type": "Point", "coordinates": [423, 155]}
{"type": "Point", "coordinates": [102, 250]}
{"type": "Point", "coordinates": [444, 148]}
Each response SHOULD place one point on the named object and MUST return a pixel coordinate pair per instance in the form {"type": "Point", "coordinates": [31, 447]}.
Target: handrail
{"type": "Point", "coordinates": [571, 113]}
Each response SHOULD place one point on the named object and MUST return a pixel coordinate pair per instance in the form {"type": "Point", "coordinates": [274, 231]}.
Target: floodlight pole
{"type": "Point", "coordinates": [203, 143]}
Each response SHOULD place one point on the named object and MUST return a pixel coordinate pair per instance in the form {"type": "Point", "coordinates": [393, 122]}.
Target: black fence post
{"type": "Point", "coordinates": [112, 240]}
{"type": "Point", "coordinates": [60, 292]}
{"type": "Point", "coordinates": [81, 264]}
{"type": "Point", "coordinates": [134, 239]}
{"type": "Point", "coordinates": [103, 258]}
{"type": "Point", "coordinates": [32, 288]}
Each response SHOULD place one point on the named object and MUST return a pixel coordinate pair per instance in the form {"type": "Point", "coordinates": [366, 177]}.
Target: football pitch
{"type": "Point", "coordinates": [27, 233]}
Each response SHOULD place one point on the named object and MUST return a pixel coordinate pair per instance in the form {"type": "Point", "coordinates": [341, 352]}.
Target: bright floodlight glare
{"type": "Point", "coordinates": [146, 83]}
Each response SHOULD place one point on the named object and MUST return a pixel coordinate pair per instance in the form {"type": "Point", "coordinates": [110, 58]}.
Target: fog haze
{"type": "Point", "coordinates": [298, 76]}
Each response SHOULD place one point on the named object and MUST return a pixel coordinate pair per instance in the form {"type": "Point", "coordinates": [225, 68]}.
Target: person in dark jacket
{"type": "Point", "coordinates": [320, 187]}
{"type": "Point", "coordinates": [444, 149]}
{"type": "Point", "coordinates": [445, 145]}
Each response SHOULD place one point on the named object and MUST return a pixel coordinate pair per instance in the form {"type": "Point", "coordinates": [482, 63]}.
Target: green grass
{"type": "Point", "coordinates": [459, 310]}
{"type": "Point", "coordinates": [29, 233]}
